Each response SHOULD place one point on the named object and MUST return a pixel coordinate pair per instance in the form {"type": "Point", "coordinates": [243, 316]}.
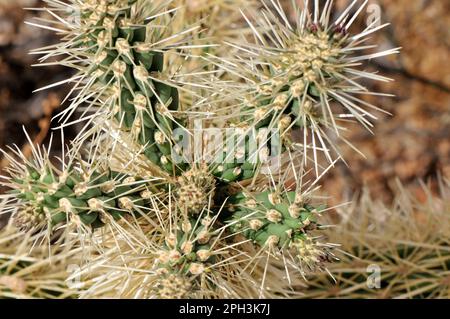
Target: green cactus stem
{"type": "Point", "coordinates": [48, 197]}
{"type": "Point", "coordinates": [279, 221]}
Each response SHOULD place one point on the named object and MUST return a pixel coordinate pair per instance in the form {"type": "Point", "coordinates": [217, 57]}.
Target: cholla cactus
{"type": "Point", "coordinates": [195, 188]}
{"type": "Point", "coordinates": [44, 196]}
{"type": "Point", "coordinates": [28, 272]}
{"type": "Point", "coordinates": [184, 257]}
{"type": "Point", "coordinates": [221, 19]}
{"type": "Point", "coordinates": [281, 223]}
{"type": "Point", "coordinates": [298, 73]}
{"type": "Point", "coordinates": [118, 48]}
{"type": "Point", "coordinates": [189, 227]}
{"type": "Point", "coordinates": [406, 245]}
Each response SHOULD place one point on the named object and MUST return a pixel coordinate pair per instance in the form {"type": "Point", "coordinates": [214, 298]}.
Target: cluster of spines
{"type": "Point", "coordinates": [295, 81]}
{"type": "Point", "coordinates": [299, 71]}
{"type": "Point", "coordinates": [195, 189]}
{"type": "Point", "coordinates": [129, 72]}
{"type": "Point", "coordinates": [172, 286]}
{"type": "Point", "coordinates": [397, 251]}
{"type": "Point", "coordinates": [279, 221]}
{"type": "Point", "coordinates": [188, 248]}
{"type": "Point", "coordinates": [26, 269]}
{"type": "Point", "coordinates": [90, 199]}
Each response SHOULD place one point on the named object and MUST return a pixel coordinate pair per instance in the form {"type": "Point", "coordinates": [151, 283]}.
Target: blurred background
{"type": "Point", "coordinates": [413, 144]}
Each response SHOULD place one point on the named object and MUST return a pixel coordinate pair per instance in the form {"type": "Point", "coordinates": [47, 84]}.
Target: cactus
{"type": "Point", "coordinates": [28, 272]}
{"type": "Point", "coordinates": [220, 19]}
{"type": "Point", "coordinates": [299, 72]}
{"type": "Point", "coordinates": [125, 77]}
{"type": "Point", "coordinates": [194, 189]}
{"type": "Point", "coordinates": [406, 244]}
{"type": "Point", "coordinates": [43, 195]}
{"type": "Point", "coordinates": [232, 227]}
{"type": "Point", "coordinates": [190, 257]}
{"type": "Point", "coordinates": [281, 222]}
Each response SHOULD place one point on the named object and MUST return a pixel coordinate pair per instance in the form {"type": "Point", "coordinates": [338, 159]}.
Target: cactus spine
{"type": "Point", "coordinates": [398, 251]}
{"type": "Point", "coordinates": [216, 229]}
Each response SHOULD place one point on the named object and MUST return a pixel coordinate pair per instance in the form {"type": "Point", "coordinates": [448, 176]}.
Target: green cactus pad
{"type": "Point", "coordinates": [274, 217]}
{"type": "Point", "coordinates": [143, 101]}
{"type": "Point", "coordinates": [188, 251]}
{"type": "Point", "coordinates": [53, 198]}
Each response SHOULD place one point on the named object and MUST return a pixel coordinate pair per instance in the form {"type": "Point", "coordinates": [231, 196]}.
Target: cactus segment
{"type": "Point", "coordinates": [188, 249]}
{"type": "Point", "coordinates": [128, 70]}
{"type": "Point", "coordinates": [48, 197]}
{"type": "Point", "coordinates": [252, 149]}
{"type": "Point", "coordinates": [299, 80]}
{"type": "Point", "coordinates": [195, 190]}
{"type": "Point", "coordinates": [267, 214]}
{"type": "Point", "coordinates": [280, 222]}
